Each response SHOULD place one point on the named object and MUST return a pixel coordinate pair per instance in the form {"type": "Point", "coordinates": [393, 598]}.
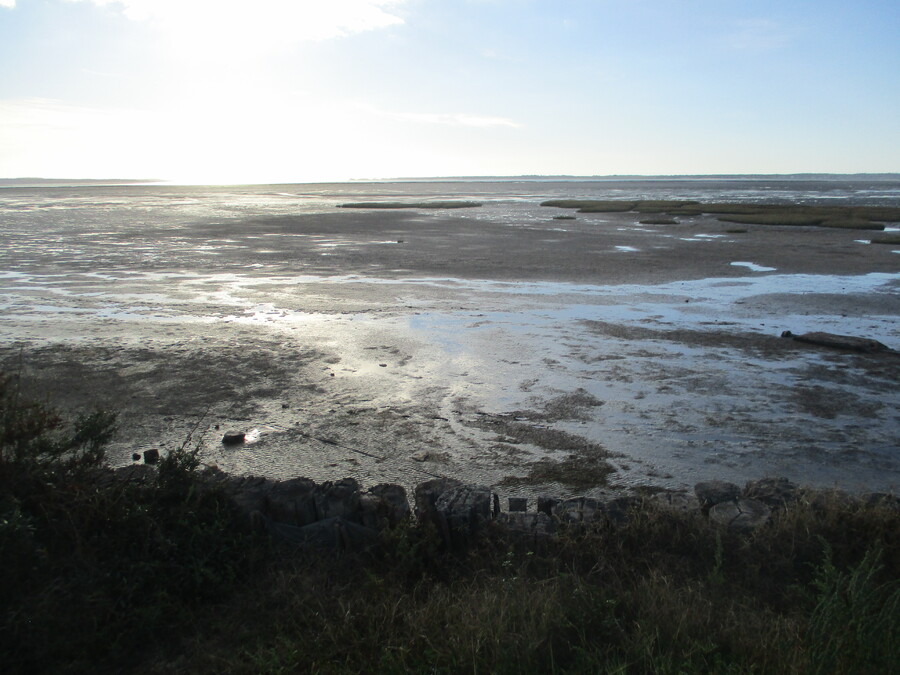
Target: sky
{"type": "Point", "coordinates": [243, 91]}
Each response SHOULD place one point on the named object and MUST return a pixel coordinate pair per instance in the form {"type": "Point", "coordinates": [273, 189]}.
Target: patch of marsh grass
{"type": "Point", "coordinates": [890, 239]}
{"type": "Point", "coordinates": [411, 205]}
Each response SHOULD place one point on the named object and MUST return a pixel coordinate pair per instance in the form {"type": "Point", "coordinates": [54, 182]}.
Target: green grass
{"type": "Point", "coordinates": [411, 205]}
{"type": "Point", "coordinates": [103, 576]}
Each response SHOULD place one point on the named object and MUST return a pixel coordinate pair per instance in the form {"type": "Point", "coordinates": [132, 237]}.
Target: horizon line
{"type": "Point", "coordinates": [475, 178]}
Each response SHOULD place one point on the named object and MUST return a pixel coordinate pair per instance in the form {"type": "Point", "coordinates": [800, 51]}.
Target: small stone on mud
{"type": "Point", "coordinates": [151, 456]}
{"type": "Point", "coordinates": [233, 438]}
{"type": "Point", "coordinates": [136, 457]}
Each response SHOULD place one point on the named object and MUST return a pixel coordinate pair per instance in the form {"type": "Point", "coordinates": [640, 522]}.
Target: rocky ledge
{"type": "Point", "coordinates": [342, 515]}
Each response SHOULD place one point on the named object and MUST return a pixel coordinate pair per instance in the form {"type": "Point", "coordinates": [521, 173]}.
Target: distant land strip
{"type": "Point", "coordinates": [411, 205]}
{"type": "Point", "coordinates": [846, 217]}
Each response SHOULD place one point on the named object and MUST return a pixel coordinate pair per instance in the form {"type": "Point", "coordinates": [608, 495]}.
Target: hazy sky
{"type": "Point", "coordinates": [297, 90]}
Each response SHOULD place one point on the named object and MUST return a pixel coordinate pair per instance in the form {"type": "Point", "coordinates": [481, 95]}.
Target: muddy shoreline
{"type": "Point", "coordinates": [394, 347]}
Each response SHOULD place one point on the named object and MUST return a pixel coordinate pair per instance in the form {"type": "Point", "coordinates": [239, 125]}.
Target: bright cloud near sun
{"type": "Point", "coordinates": [241, 26]}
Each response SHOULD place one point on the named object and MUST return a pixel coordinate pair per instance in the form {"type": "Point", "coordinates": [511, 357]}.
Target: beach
{"type": "Point", "coordinates": [495, 344]}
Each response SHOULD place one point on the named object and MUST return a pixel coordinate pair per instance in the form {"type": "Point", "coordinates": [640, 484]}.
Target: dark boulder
{"type": "Point", "coordinates": [151, 456]}
{"type": "Point", "coordinates": [679, 502]}
{"type": "Point", "coordinates": [291, 501]}
{"type": "Point", "coordinates": [340, 498]}
{"type": "Point", "coordinates": [384, 505]}
{"type": "Point", "coordinates": [578, 510]}
{"type": "Point", "coordinates": [233, 438]}
{"type": "Point", "coordinates": [618, 511]}
{"type": "Point", "coordinates": [427, 493]}
{"type": "Point", "coordinates": [712, 492]}
{"type": "Point", "coordinates": [332, 533]}
{"type": "Point", "coordinates": [743, 514]}
{"type": "Point", "coordinates": [774, 492]}
{"type": "Point", "coordinates": [546, 505]}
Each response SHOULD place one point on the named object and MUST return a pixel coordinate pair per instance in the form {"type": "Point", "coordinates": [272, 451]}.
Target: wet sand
{"type": "Point", "coordinates": [536, 355]}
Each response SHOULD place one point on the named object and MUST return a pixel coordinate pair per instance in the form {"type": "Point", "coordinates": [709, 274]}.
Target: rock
{"type": "Point", "coordinates": [680, 502]}
{"type": "Point", "coordinates": [846, 342]}
{"type": "Point", "coordinates": [292, 502]}
{"type": "Point", "coordinates": [333, 533]}
{"type": "Point", "coordinates": [233, 438]}
{"type": "Point", "coordinates": [774, 492]}
{"type": "Point", "coordinates": [742, 514]}
{"type": "Point", "coordinates": [712, 492]}
{"type": "Point", "coordinates": [462, 512]}
{"type": "Point", "coordinates": [427, 493]}
{"type": "Point", "coordinates": [578, 510]}
{"type": "Point", "coordinates": [136, 457]}
{"type": "Point", "coordinates": [151, 456]}
{"type": "Point", "coordinates": [539, 524]}
{"type": "Point", "coordinates": [384, 504]}
{"type": "Point", "coordinates": [518, 504]}
{"type": "Point", "coordinates": [546, 505]}
{"type": "Point", "coordinates": [340, 498]}
{"type": "Point", "coordinates": [247, 494]}
{"type": "Point", "coordinates": [618, 511]}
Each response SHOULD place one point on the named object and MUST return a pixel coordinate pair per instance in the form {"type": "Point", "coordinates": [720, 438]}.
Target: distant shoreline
{"type": "Point", "coordinates": [26, 182]}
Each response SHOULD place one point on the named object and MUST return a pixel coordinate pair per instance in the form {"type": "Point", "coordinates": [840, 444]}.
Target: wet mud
{"type": "Point", "coordinates": [590, 356]}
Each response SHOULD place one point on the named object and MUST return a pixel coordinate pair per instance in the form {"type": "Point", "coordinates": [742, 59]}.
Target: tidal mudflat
{"type": "Point", "coordinates": [499, 345]}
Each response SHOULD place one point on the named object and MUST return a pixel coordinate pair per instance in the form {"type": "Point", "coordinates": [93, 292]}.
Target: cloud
{"type": "Point", "coordinates": [280, 21]}
{"type": "Point", "coordinates": [9, 4]}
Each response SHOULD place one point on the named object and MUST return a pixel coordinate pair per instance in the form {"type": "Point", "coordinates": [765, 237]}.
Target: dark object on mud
{"type": "Point", "coordinates": [151, 456]}
{"type": "Point", "coordinates": [563, 217]}
{"type": "Point", "coordinates": [848, 342]}
{"type": "Point", "coordinates": [136, 457]}
{"type": "Point", "coordinates": [233, 438]}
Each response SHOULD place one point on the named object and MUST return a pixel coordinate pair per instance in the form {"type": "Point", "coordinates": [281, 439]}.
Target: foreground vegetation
{"type": "Point", "coordinates": [845, 217]}
{"type": "Point", "coordinates": [161, 576]}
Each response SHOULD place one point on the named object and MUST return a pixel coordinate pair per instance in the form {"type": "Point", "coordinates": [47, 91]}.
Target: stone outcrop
{"type": "Point", "coordinates": [341, 515]}
{"type": "Point", "coordinates": [774, 492]}
{"type": "Point", "coordinates": [741, 514]}
{"type": "Point", "coordinates": [712, 492]}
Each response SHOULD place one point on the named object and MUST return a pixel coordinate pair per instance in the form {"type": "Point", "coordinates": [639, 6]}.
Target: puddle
{"type": "Point", "coordinates": [753, 267]}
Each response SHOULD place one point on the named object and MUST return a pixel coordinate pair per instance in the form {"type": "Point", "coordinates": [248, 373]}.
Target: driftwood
{"type": "Point", "coordinates": [846, 342]}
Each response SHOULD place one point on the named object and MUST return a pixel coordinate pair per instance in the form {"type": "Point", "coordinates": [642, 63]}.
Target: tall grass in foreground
{"type": "Point", "coordinates": [101, 575]}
